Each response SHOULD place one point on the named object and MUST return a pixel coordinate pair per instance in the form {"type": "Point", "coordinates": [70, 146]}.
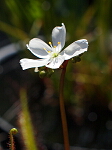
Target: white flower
{"type": "Point", "coordinates": [53, 56]}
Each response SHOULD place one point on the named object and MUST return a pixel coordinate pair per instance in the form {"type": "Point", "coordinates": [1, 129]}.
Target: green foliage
{"type": "Point", "coordinates": [17, 17]}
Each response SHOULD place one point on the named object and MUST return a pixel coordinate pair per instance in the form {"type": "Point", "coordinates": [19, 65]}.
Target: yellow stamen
{"type": "Point", "coordinates": [50, 43]}
{"type": "Point", "coordinates": [59, 42]}
{"type": "Point", "coordinates": [54, 46]}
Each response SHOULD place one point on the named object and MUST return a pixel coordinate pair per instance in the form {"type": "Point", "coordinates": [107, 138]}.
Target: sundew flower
{"type": "Point", "coordinates": [53, 56]}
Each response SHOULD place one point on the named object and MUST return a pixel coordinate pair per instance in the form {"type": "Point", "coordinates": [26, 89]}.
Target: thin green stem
{"type": "Point", "coordinates": [62, 109]}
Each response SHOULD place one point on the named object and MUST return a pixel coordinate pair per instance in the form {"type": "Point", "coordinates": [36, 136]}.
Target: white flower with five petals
{"type": "Point", "coordinates": [53, 56]}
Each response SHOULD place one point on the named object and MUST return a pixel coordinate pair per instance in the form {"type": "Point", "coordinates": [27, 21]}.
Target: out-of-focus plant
{"type": "Point", "coordinates": [28, 133]}
{"type": "Point", "coordinates": [18, 17]}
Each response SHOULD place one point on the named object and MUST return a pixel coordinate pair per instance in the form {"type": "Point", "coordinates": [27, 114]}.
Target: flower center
{"type": "Point", "coordinates": [55, 55]}
{"type": "Point", "coordinates": [55, 50]}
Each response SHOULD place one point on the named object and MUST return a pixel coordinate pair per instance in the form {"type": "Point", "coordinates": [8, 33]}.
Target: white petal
{"type": "Point", "coordinates": [75, 49]}
{"type": "Point", "coordinates": [59, 35]}
{"type": "Point", "coordinates": [56, 62]}
{"type": "Point", "coordinates": [39, 48]}
{"type": "Point", "coordinates": [31, 63]}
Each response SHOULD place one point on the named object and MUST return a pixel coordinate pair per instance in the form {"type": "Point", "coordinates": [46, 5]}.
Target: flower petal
{"type": "Point", "coordinates": [31, 63]}
{"type": "Point", "coordinates": [59, 35]}
{"type": "Point", "coordinates": [56, 62]}
{"type": "Point", "coordinates": [75, 49]}
{"type": "Point", "coordinates": [39, 48]}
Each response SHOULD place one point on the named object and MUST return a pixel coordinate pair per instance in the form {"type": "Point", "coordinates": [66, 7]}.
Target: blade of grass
{"type": "Point", "coordinates": [26, 124]}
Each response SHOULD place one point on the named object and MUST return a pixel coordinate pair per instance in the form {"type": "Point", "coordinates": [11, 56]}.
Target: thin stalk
{"type": "Point", "coordinates": [12, 147]}
{"type": "Point", "coordinates": [12, 132]}
{"type": "Point", "coordinates": [62, 109]}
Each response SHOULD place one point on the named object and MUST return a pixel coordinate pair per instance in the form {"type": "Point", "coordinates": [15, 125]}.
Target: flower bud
{"type": "Point", "coordinates": [42, 74]}
{"type": "Point", "coordinates": [76, 59]}
{"type": "Point", "coordinates": [50, 72]}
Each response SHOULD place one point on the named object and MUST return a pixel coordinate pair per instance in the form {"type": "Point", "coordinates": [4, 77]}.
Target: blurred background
{"type": "Point", "coordinates": [88, 85]}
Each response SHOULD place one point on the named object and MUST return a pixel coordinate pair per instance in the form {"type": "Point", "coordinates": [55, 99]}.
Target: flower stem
{"type": "Point", "coordinates": [62, 108]}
